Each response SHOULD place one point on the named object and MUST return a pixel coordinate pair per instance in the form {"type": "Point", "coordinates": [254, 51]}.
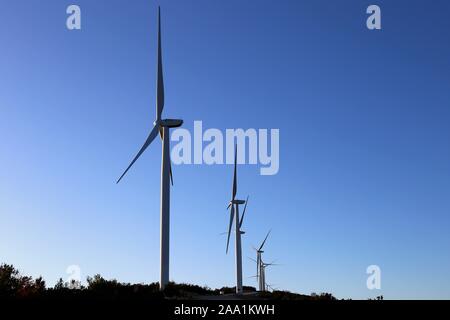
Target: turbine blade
{"type": "Point", "coordinates": [228, 207]}
{"type": "Point", "coordinates": [262, 244]}
{"type": "Point", "coordinates": [149, 140]}
{"type": "Point", "coordinates": [235, 173]}
{"type": "Point", "coordinates": [170, 170]}
{"type": "Point", "coordinates": [160, 81]}
{"type": "Point", "coordinates": [243, 213]}
{"type": "Point", "coordinates": [229, 227]}
{"type": "Point", "coordinates": [252, 259]}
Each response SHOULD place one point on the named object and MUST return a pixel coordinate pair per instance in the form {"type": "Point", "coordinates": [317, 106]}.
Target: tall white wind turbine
{"type": "Point", "coordinates": [234, 216]}
{"type": "Point", "coordinates": [162, 127]}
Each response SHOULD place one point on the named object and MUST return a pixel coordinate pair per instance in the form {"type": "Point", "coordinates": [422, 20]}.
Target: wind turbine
{"type": "Point", "coordinates": [271, 287]}
{"type": "Point", "coordinates": [262, 275]}
{"type": "Point", "coordinates": [234, 216]}
{"type": "Point", "coordinates": [259, 263]}
{"type": "Point", "coordinates": [162, 127]}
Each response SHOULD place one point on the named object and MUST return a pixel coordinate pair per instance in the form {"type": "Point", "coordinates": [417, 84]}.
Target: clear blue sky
{"type": "Point", "coordinates": [364, 140]}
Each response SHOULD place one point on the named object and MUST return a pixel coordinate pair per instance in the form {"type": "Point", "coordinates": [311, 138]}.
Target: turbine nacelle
{"type": "Point", "coordinates": [170, 123]}
{"type": "Point", "coordinates": [235, 201]}
{"type": "Point", "coordinates": [232, 231]}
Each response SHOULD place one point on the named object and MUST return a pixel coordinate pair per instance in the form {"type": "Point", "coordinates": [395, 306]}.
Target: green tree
{"type": "Point", "coordinates": [12, 283]}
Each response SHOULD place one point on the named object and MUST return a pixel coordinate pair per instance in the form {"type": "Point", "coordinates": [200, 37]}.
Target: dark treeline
{"type": "Point", "coordinates": [17, 286]}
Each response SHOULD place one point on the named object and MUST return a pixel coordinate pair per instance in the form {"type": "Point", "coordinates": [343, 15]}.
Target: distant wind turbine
{"type": "Point", "coordinates": [263, 286]}
{"type": "Point", "coordinates": [260, 266]}
{"type": "Point", "coordinates": [271, 287]}
{"type": "Point", "coordinates": [234, 216]}
{"type": "Point", "coordinates": [162, 127]}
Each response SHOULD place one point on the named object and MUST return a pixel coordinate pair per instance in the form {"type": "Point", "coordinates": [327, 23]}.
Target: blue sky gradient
{"type": "Point", "coordinates": [364, 141]}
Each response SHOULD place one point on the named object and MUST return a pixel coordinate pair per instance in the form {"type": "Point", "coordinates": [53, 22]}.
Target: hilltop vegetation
{"type": "Point", "coordinates": [14, 285]}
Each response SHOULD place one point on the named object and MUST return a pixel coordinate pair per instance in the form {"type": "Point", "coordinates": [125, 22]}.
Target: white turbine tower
{"type": "Point", "coordinates": [162, 127]}
{"type": "Point", "coordinates": [234, 216]}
